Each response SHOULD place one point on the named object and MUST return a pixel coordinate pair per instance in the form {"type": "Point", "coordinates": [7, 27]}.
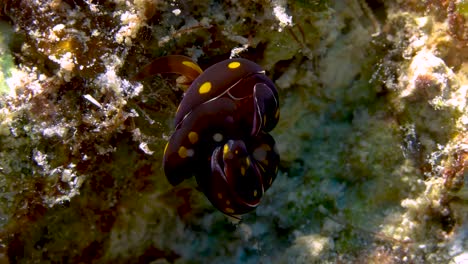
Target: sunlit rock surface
{"type": "Point", "coordinates": [372, 137]}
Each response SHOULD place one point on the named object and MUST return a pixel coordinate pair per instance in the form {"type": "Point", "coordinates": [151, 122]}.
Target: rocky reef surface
{"type": "Point", "coordinates": [373, 132]}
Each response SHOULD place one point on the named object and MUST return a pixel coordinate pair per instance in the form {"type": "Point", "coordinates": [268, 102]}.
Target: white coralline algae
{"type": "Point", "coordinates": [279, 11]}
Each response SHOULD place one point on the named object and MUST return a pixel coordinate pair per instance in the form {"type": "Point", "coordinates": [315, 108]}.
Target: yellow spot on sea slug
{"type": "Point", "coordinates": [182, 152]}
{"type": "Point", "coordinates": [234, 64]}
{"type": "Point", "coordinates": [225, 149]}
{"type": "Point", "coordinates": [255, 193]}
{"type": "Point", "coordinates": [220, 196]}
{"type": "Point", "coordinates": [193, 66]}
{"type": "Point", "coordinates": [228, 202]}
{"type": "Point", "coordinates": [229, 210]}
{"type": "Point", "coordinates": [165, 148]}
{"type": "Point", "coordinates": [242, 170]}
{"type": "Point", "coordinates": [277, 114]}
{"type": "Point", "coordinates": [204, 88]}
{"type": "Point", "coordinates": [265, 147]}
{"type": "Point", "coordinates": [261, 167]}
{"type": "Point", "coordinates": [193, 137]}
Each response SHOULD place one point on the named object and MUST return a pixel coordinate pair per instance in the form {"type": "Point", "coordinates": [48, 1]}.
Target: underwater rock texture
{"type": "Point", "coordinates": [372, 137]}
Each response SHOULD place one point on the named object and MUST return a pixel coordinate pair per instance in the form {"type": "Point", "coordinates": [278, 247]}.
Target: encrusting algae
{"type": "Point", "coordinates": [372, 135]}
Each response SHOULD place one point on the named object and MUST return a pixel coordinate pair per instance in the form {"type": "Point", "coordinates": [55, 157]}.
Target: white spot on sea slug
{"type": "Point", "coordinates": [217, 137]}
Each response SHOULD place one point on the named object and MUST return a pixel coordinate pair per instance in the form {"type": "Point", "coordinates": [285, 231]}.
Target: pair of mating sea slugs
{"type": "Point", "coordinates": [221, 131]}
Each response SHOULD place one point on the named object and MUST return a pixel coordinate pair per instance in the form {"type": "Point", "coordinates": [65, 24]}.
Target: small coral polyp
{"type": "Point", "coordinates": [221, 131]}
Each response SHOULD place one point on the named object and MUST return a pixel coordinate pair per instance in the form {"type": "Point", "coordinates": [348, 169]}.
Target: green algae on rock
{"type": "Point", "coordinates": [6, 60]}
